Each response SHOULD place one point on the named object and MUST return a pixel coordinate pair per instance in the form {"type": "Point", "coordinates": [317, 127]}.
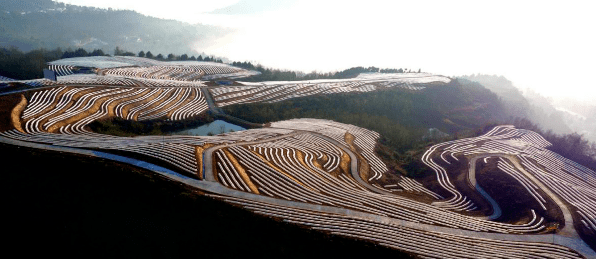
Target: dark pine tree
{"type": "Point", "coordinates": [97, 52]}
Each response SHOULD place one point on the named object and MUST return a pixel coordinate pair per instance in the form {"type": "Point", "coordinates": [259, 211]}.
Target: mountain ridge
{"type": "Point", "coordinates": [34, 24]}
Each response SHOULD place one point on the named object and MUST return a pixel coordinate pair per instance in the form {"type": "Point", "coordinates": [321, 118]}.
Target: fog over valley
{"type": "Point", "coordinates": [549, 53]}
{"type": "Point", "coordinates": [235, 128]}
{"type": "Point", "coordinates": [545, 46]}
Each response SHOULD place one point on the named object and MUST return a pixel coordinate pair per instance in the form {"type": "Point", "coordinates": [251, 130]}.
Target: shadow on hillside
{"type": "Point", "coordinates": [81, 207]}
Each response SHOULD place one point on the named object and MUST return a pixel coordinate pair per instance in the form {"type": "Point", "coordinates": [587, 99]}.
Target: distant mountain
{"type": "Point", "coordinates": [528, 105]}
{"type": "Point", "coordinates": [580, 117]}
{"type": "Point", "coordinates": [33, 24]}
{"type": "Point", "coordinates": [254, 7]}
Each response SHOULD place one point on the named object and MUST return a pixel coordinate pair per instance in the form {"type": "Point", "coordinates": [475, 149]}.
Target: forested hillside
{"type": "Point", "coordinates": [409, 121]}
{"type": "Point", "coordinates": [402, 117]}
{"type": "Point", "coordinates": [571, 136]}
{"type": "Point", "coordinates": [534, 107]}
{"type": "Point", "coordinates": [33, 24]}
{"type": "Point", "coordinates": [514, 101]}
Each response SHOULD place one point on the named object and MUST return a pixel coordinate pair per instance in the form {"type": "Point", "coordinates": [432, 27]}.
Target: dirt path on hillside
{"type": "Point", "coordinates": [568, 230]}
{"type": "Point", "coordinates": [567, 236]}
{"type": "Point", "coordinates": [574, 243]}
{"type": "Point", "coordinates": [15, 114]}
{"type": "Point", "coordinates": [474, 184]}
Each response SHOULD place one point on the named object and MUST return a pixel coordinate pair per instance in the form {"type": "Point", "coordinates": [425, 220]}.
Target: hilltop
{"type": "Point", "coordinates": [404, 161]}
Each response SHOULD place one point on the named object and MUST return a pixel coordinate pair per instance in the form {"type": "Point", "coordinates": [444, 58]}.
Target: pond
{"type": "Point", "coordinates": [223, 82]}
{"type": "Point", "coordinates": [215, 127]}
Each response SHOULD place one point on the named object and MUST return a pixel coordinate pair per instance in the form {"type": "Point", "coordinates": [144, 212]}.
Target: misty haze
{"type": "Point", "coordinates": [293, 129]}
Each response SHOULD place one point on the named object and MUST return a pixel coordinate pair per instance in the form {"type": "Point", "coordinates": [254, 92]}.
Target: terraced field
{"type": "Point", "coordinates": [144, 68]}
{"type": "Point", "coordinates": [323, 174]}
{"type": "Point", "coordinates": [69, 109]}
{"type": "Point", "coordinates": [107, 81]}
{"type": "Point", "coordinates": [546, 176]}
{"type": "Point", "coordinates": [279, 91]}
{"type": "Point", "coordinates": [6, 79]}
{"type": "Point", "coordinates": [134, 71]}
{"type": "Point", "coordinates": [182, 73]}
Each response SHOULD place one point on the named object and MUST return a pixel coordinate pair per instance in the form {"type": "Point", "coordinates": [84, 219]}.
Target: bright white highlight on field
{"type": "Point", "coordinates": [546, 46]}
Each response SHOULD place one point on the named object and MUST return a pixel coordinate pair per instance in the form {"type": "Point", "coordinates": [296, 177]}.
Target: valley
{"type": "Point", "coordinates": [319, 173]}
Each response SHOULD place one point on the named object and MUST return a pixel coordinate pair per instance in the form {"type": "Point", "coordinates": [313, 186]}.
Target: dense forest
{"type": "Point", "coordinates": [22, 66]}
{"type": "Point", "coordinates": [403, 117]}
{"type": "Point", "coordinates": [511, 96]}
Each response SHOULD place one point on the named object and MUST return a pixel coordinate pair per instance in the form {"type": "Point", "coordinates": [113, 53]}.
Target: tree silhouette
{"type": "Point", "coordinates": [97, 52]}
{"type": "Point", "coordinates": [118, 51]}
{"type": "Point", "coordinates": [80, 53]}
{"type": "Point", "coordinates": [141, 54]}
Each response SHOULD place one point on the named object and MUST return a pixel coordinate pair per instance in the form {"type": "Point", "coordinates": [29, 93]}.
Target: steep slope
{"type": "Point", "coordinates": [528, 105]}
{"type": "Point", "coordinates": [512, 97]}
{"type": "Point", "coordinates": [403, 116]}
{"type": "Point", "coordinates": [327, 175]}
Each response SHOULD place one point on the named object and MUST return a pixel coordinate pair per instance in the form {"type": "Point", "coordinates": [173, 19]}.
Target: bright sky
{"type": "Point", "coordinates": [544, 45]}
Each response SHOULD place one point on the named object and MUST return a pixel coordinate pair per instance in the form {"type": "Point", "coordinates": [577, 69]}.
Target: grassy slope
{"type": "Point", "coordinates": [402, 117]}
{"type": "Point", "coordinates": [98, 208]}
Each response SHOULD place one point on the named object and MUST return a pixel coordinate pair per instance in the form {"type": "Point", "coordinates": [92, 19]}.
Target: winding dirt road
{"type": "Point", "coordinates": [208, 157]}
{"type": "Point", "coordinates": [474, 184]}
{"type": "Point", "coordinates": [567, 236]}
{"type": "Point", "coordinates": [568, 230]}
